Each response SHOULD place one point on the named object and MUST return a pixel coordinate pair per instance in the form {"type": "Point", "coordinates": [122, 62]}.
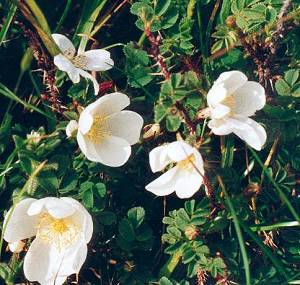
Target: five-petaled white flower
{"type": "Point", "coordinates": [185, 178]}
{"type": "Point", "coordinates": [76, 65]}
{"type": "Point", "coordinates": [62, 228]}
{"type": "Point", "coordinates": [106, 131]}
{"type": "Point", "coordinates": [232, 100]}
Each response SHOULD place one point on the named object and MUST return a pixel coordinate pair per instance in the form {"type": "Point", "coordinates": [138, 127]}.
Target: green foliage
{"type": "Point", "coordinates": [242, 226]}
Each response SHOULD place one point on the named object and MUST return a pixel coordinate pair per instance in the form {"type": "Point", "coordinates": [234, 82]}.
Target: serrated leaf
{"type": "Point", "coordinates": [173, 122]}
{"type": "Point", "coordinates": [126, 230]}
{"type": "Point", "coordinates": [161, 7]}
{"type": "Point", "coordinates": [282, 87]}
{"type": "Point", "coordinates": [136, 216]}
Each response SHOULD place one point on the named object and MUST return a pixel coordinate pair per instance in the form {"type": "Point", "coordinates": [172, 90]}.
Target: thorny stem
{"type": "Point", "coordinates": [189, 122]}
{"type": "Point", "coordinates": [44, 63]}
{"type": "Point", "coordinates": [154, 51]}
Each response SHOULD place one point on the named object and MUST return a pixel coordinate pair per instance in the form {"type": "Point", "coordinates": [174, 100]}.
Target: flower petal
{"type": "Point", "coordinates": [66, 65]}
{"type": "Point", "coordinates": [221, 127]}
{"type": "Point", "coordinates": [164, 184]}
{"type": "Point", "coordinates": [18, 224]}
{"type": "Point", "coordinates": [179, 150]}
{"type": "Point", "coordinates": [126, 125]}
{"type": "Point", "coordinates": [56, 207]}
{"type": "Point", "coordinates": [188, 183]}
{"type": "Point", "coordinates": [71, 128]}
{"type": "Point", "coordinates": [219, 111]}
{"type": "Point", "coordinates": [83, 216]}
{"type": "Point", "coordinates": [42, 262]}
{"type": "Point", "coordinates": [98, 60]}
{"type": "Point", "coordinates": [73, 260]}
{"type": "Point", "coordinates": [216, 95]}
{"type": "Point", "coordinates": [109, 104]}
{"type": "Point", "coordinates": [158, 158]}
{"type": "Point", "coordinates": [64, 44]}
{"type": "Point", "coordinates": [251, 132]}
{"type": "Point", "coordinates": [92, 78]}
{"type": "Point", "coordinates": [111, 151]}
{"type": "Point", "coordinates": [231, 80]}
{"type": "Point", "coordinates": [249, 98]}
{"type": "Point", "coordinates": [85, 121]}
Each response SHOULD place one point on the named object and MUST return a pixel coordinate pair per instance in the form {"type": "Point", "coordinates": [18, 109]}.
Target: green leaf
{"type": "Point", "coordinates": [161, 7]}
{"type": "Point", "coordinates": [107, 218]}
{"type": "Point", "coordinates": [136, 216]}
{"type": "Point", "coordinates": [160, 111]}
{"type": "Point", "coordinates": [88, 198]}
{"type": "Point", "coordinates": [173, 122]}
{"type": "Point", "coordinates": [101, 189]}
{"type": "Point", "coordinates": [282, 87]}
{"type": "Point", "coordinates": [291, 76]}
{"type": "Point", "coordinates": [126, 230]}
{"type": "Point", "coordinates": [165, 281]}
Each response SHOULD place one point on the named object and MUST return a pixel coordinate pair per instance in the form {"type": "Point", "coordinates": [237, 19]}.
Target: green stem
{"type": "Point", "coordinates": [6, 25]}
{"type": "Point", "coordinates": [141, 40]}
{"type": "Point", "coordinates": [191, 9]}
{"type": "Point", "coordinates": [64, 15]}
{"type": "Point", "coordinates": [238, 232]}
{"type": "Point", "coordinates": [258, 228]}
{"type": "Point", "coordinates": [277, 188]}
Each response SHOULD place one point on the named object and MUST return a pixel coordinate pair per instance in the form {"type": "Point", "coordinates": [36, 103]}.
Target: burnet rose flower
{"type": "Point", "coordinates": [106, 131]}
{"type": "Point", "coordinates": [184, 178]}
{"type": "Point", "coordinates": [77, 64]}
{"type": "Point", "coordinates": [62, 228]}
{"type": "Point", "coordinates": [232, 100]}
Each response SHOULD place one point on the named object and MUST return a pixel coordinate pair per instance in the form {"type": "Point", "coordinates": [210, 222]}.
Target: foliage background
{"type": "Point", "coordinates": [167, 55]}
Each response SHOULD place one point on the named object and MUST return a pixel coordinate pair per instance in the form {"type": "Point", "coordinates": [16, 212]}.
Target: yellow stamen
{"type": "Point", "coordinates": [79, 61]}
{"type": "Point", "coordinates": [62, 233]}
{"type": "Point", "coordinates": [99, 130]}
{"type": "Point", "coordinates": [230, 102]}
{"type": "Point", "coordinates": [187, 163]}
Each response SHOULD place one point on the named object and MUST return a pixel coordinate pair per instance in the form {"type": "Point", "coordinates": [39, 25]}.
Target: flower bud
{"type": "Point", "coordinates": [191, 232]}
{"type": "Point", "coordinates": [16, 247]}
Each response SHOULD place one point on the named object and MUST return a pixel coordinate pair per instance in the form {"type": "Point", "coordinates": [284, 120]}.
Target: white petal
{"type": "Point", "coordinates": [71, 128]}
{"type": "Point", "coordinates": [18, 224]}
{"type": "Point", "coordinates": [249, 98]}
{"type": "Point", "coordinates": [221, 127]}
{"type": "Point", "coordinates": [251, 132]}
{"type": "Point", "coordinates": [83, 217]}
{"type": "Point", "coordinates": [231, 80]}
{"type": "Point", "coordinates": [109, 104]}
{"type": "Point", "coordinates": [216, 95]}
{"type": "Point", "coordinates": [98, 60]}
{"type": "Point", "coordinates": [188, 183]}
{"type": "Point", "coordinates": [219, 111]}
{"type": "Point", "coordinates": [158, 158]}
{"type": "Point", "coordinates": [56, 207]}
{"type": "Point", "coordinates": [85, 121]}
{"type": "Point", "coordinates": [199, 164]}
{"type": "Point", "coordinates": [41, 262]}
{"type": "Point", "coordinates": [164, 184]}
{"type": "Point", "coordinates": [66, 65]}
{"type": "Point", "coordinates": [111, 151]}
{"type": "Point", "coordinates": [73, 260]}
{"type": "Point", "coordinates": [92, 78]}
{"type": "Point", "coordinates": [179, 150]}
{"type": "Point", "coordinates": [64, 44]}
{"type": "Point", "coordinates": [126, 125]}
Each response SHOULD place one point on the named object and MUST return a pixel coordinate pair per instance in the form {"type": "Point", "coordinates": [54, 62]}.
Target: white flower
{"type": "Point", "coordinates": [16, 246]}
{"type": "Point", "coordinates": [185, 178]}
{"type": "Point", "coordinates": [34, 137]}
{"type": "Point", "coordinates": [71, 128]}
{"type": "Point", "coordinates": [62, 228]}
{"type": "Point", "coordinates": [106, 131]}
{"type": "Point", "coordinates": [232, 100]}
{"type": "Point", "coordinates": [76, 65]}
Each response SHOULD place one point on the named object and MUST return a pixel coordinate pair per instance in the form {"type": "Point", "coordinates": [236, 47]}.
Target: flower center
{"type": "Point", "coordinates": [99, 130]}
{"type": "Point", "coordinates": [230, 102]}
{"type": "Point", "coordinates": [79, 61]}
{"type": "Point", "coordinates": [62, 233]}
{"type": "Point", "coordinates": [187, 163]}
